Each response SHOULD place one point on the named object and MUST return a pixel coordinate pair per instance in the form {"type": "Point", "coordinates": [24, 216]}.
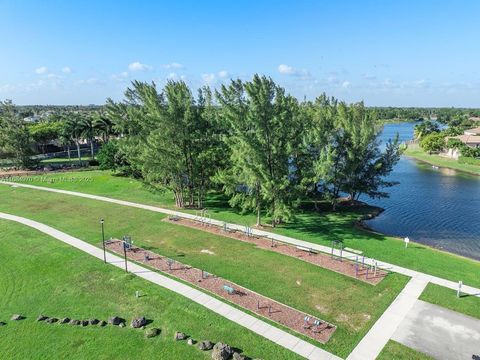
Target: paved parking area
{"type": "Point", "coordinates": [439, 332]}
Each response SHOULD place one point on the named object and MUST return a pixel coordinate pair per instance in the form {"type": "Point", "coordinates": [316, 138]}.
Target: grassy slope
{"type": "Point", "coordinates": [469, 305]}
{"type": "Point", "coordinates": [43, 275]}
{"type": "Point", "coordinates": [318, 228]}
{"type": "Point", "coordinates": [396, 351]}
{"type": "Point", "coordinates": [298, 284]}
{"type": "Point", "coordinates": [416, 152]}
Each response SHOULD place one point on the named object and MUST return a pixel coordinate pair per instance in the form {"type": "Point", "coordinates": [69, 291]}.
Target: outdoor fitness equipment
{"type": "Point", "coordinates": [337, 245]}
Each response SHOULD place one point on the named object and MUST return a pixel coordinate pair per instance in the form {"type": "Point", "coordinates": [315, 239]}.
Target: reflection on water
{"type": "Point", "coordinates": [435, 206]}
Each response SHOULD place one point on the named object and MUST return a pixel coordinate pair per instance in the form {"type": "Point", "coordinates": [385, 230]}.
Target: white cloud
{"type": "Point", "coordinates": [66, 70]}
{"type": "Point", "coordinates": [222, 74]}
{"type": "Point", "coordinates": [120, 76]}
{"type": "Point", "coordinates": [290, 70]}
{"type": "Point", "coordinates": [89, 81]}
{"type": "Point", "coordinates": [208, 78]}
{"type": "Point", "coordinates": [41, 70]}
{"type": "Point", "coordinates": [346, 84]}
{"type": "Point", "coordinates": [173, 65]}
{"type": "Point", "coordinates": [286, 69]}
{"type": "Point", "coordinates": [53, 76]}
{"type": "Point", "coordinates": [138, 66]}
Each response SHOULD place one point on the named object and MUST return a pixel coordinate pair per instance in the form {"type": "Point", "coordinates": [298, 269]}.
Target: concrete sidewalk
{"type": "Point", "coordinates": [231, 313]}
{"type": "Point", "coordinates": [377, 337]}
{"type": "Point", "coordinates": [394, 268]}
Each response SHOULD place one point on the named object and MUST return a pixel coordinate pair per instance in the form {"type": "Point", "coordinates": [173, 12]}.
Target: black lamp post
{"type": "Point", "coordinates": [125, 254]}
{"type": "Point", "coordinates": [103, 242]}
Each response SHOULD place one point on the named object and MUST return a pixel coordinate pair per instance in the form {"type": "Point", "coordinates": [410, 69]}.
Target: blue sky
{"type": "Point", "coordinates": [398, 53]}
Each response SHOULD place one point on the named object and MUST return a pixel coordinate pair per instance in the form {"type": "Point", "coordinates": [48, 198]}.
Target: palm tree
{"type": "Point", "coordinates": [104, 126]}
{"type": "Point", "coordinates": [88, 131]}
{"type": "Point", "coordinates": [73, 132]}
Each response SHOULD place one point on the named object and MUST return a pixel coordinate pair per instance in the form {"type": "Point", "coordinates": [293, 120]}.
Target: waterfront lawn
{"type": "Point", "coordinates": [310, 226]}
{"type": "Point", "coordinates": [41, 275]}
{"type": "Point", "coordinates": [414, 151]}
{"type": "Point", "coordinates": [447, 298]}
{"type": "Point", "coordinates": [396, 351]}
{"type": "Point", "coordinates": [350, 304]}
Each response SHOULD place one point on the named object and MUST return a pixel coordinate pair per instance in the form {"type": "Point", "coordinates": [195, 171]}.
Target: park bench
{"type": "Point", "coordinates": [309, 250]}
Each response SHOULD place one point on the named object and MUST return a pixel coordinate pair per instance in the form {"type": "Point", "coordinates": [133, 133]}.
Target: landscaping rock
{"type": "Point", "coordinates": [84, 322]}
{"type": "Point", "coordinates": [116, 320]}
{"type": "Point", "coordinates": [122, 325]}
{"type": "Point", "coordinates": [238, 356]}
{"type": "Point", "coordinates": [102, 323]}
{"type": "Point", "coordinates": [17, 317]}
{"type": "Point", "coordinates": [205, 345]}
{"type": "Point", "coordinates": [138, 322]}
{"type": "Point", "coordinates": [2, 323]}
{"type": "Point", "coordinates": [42, 318]}
{"type": "Point", "coordinates": [191, 341]}
{"type": "Point", "coordinates": [75, 322]}
{"type": "Point", "coordinates": [64, 320]}
{"type": "Point", "coordinates": [51, 320]}
{"type": "Point", "coordinates": [221, 351]}
{"type": "Point", "coordinates": [93, 321]}
{"type": "Point", "coordinates": [179, 336]}
{"type": "Point", "coordinates": [152, 332]}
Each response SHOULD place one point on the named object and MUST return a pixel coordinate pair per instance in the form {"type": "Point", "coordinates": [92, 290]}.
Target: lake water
{"type": "Point", "coordinates": [437, 207]}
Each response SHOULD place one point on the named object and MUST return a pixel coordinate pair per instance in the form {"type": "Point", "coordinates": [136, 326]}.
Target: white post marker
{"type": "Point", "coordinates": [137, 294]}
{"type": "Point", "coordinates": [459, 291]}
{"type": "Point", "coordinates": [407, 240]}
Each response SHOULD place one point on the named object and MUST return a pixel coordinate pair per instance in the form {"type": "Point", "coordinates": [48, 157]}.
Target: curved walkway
{"type": "Point", "coordinates": [258, 326]}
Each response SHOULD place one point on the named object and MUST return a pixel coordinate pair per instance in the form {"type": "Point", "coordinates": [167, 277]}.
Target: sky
{"type": "Point", "coordinates": [386, 53]}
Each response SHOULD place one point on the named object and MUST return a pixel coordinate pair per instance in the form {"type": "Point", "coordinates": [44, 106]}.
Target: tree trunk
{"type": "Point", "coordinates": [91, 149]}
{"type": "Point", "coordinates": [78, 151]}
{"type": "Point", "coordinates": [259, 206]}
{"type": "Point", "coordinates": [68, 152]}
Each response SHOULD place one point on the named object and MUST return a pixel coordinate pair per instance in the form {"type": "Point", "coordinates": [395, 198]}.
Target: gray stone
{"type": "Point", "coordinates": [17, 317]}
{"type": "Point", "coordinates": [75, 322]}
{"type": "Point", "coordinates": [84, 322]}
{"type": "Point", "coordinates": [2, 323]}
{"type": "Point", "coordinates": [190, 341]}
{"type": "Point", "coordinates": [42, 318]}
{"type": "Point", "coordinates": [238, 356]}
{"type": "Point", "coordinates": [115, 320]}
{"type": "Point", "coordinates": [102, 323]}
{"type": "Point", "coordinates": [205, 345]}
{"type": "Point", "coordinates": [179, 336]}
{"type": "Point", "coordinates": [221, 351]}
{"type": "Point", "coordinates": [138, 322]}
{"type": "Point", "coordinates": [51, 320]}
{"type": "Point", "coordinates": [93, 321]}
{"type": "Point", "coordinates": [122, 325]}
{"type": "Point", "coordinates": [64, 320]}
{"type": "Point", "coordinates": [152, 332]}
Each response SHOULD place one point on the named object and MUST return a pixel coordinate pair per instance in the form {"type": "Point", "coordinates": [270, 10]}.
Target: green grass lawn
{"type": "Point", "coordinates": [41, 275]}
{"type": "Point", "coordinates": [319, 228]}
{"type": "Point", "coordinates": [416, 152]}
{"type": "Point", "coordinates": [396, 351]}
{"type": "Point", "coordinates": [447, 298]}
{"type": "Point", "coordinates": [66, 160]}
{"type": "Point", "coordinates": [350, 304]}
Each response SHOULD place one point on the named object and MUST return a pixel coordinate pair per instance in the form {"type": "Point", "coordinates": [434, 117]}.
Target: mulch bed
{"type": "Point", "coordinates": [261, 305]}
{"type": "Point", "coordinates": [344, 266]}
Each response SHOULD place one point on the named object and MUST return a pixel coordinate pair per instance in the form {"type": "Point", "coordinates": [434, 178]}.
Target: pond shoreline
{"type": "Point", "coordinates": [439, 164]}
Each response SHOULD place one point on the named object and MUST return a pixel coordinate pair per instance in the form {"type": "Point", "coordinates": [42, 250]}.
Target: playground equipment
{"type": "Point", "coordinates": [203, 217]}
{"type": "Point", "coordinates": [337, 245]}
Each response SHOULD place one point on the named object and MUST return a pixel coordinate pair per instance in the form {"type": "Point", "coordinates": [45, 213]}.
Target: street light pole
{"type": "Point", "coordinates": [103, 242]}
{"type": "Point", "coordinates": [125, 255]}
